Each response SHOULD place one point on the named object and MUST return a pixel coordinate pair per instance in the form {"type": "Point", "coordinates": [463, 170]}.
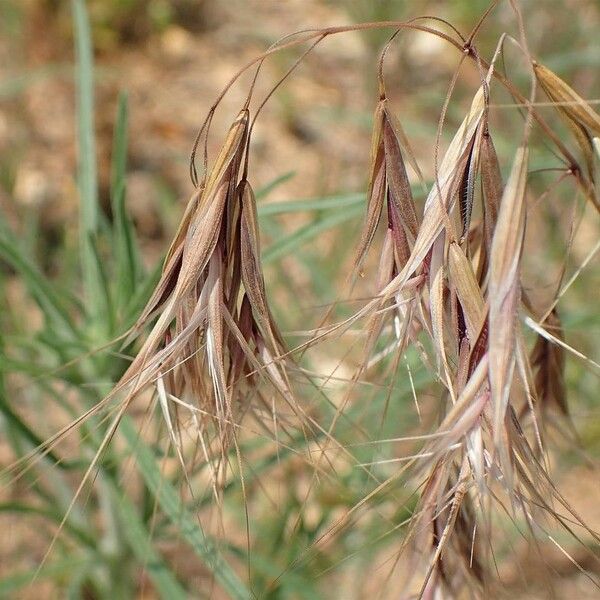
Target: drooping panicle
{"type": "Point", "coordinates": [214, 339]}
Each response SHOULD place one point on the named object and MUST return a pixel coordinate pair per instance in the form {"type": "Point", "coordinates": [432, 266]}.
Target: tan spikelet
{"type": "Point", "coordinates": [568, 101]}
{"type": "Point", "coordinates": [504, 287]}
{"type": "Point", "coordinates": [580, 117]}
{"type": "Point", "coordinates": [467, 288]}
{"type": "Point", "coordinates": [548, 362]}
{"type": "Point", "coordinates": [377, 188]}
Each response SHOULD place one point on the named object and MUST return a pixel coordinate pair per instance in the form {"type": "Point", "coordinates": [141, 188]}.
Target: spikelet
{"type": "Point", "coordinates": [579, 116]}
{"type": "Point", "coordinates": [504, 287]}
{"type": "Point", "coordinates": [548, 362]}
{"type": "Point", "coordinates": [215, 336]}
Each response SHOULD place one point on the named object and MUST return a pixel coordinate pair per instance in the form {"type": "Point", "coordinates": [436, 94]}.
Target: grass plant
{"type": "Point", "coordinates": [191, 427]}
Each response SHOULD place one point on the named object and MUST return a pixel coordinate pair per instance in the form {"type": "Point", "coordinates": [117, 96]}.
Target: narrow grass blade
{"type": "Point", "coordinates": [50, 303]}
{"type": "Point", "coordinates": [13, 583]}
{"type": "Point", "coordinates": [139, 539]}
{"type": "Point", "coordinates": [17, 425]}
{"type": "Point", "coordinates": [264, 191]}
{"type": "Point", "coordinates": [87, 175]}
{"type": "Point", "coordinates": [125, 250]}
{"type": "Point", "coordinates": [186, 524]}
{"type": "Point", "coordinates": [303, 235]}
{"type": "Point", "coordinates": [104, 323]}
{"type": "Point", "coordinates": [310, 204]}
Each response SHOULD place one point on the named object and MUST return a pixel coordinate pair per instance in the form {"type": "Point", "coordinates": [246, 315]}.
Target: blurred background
{"type": "Point", "coordinates": [172, 58]}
